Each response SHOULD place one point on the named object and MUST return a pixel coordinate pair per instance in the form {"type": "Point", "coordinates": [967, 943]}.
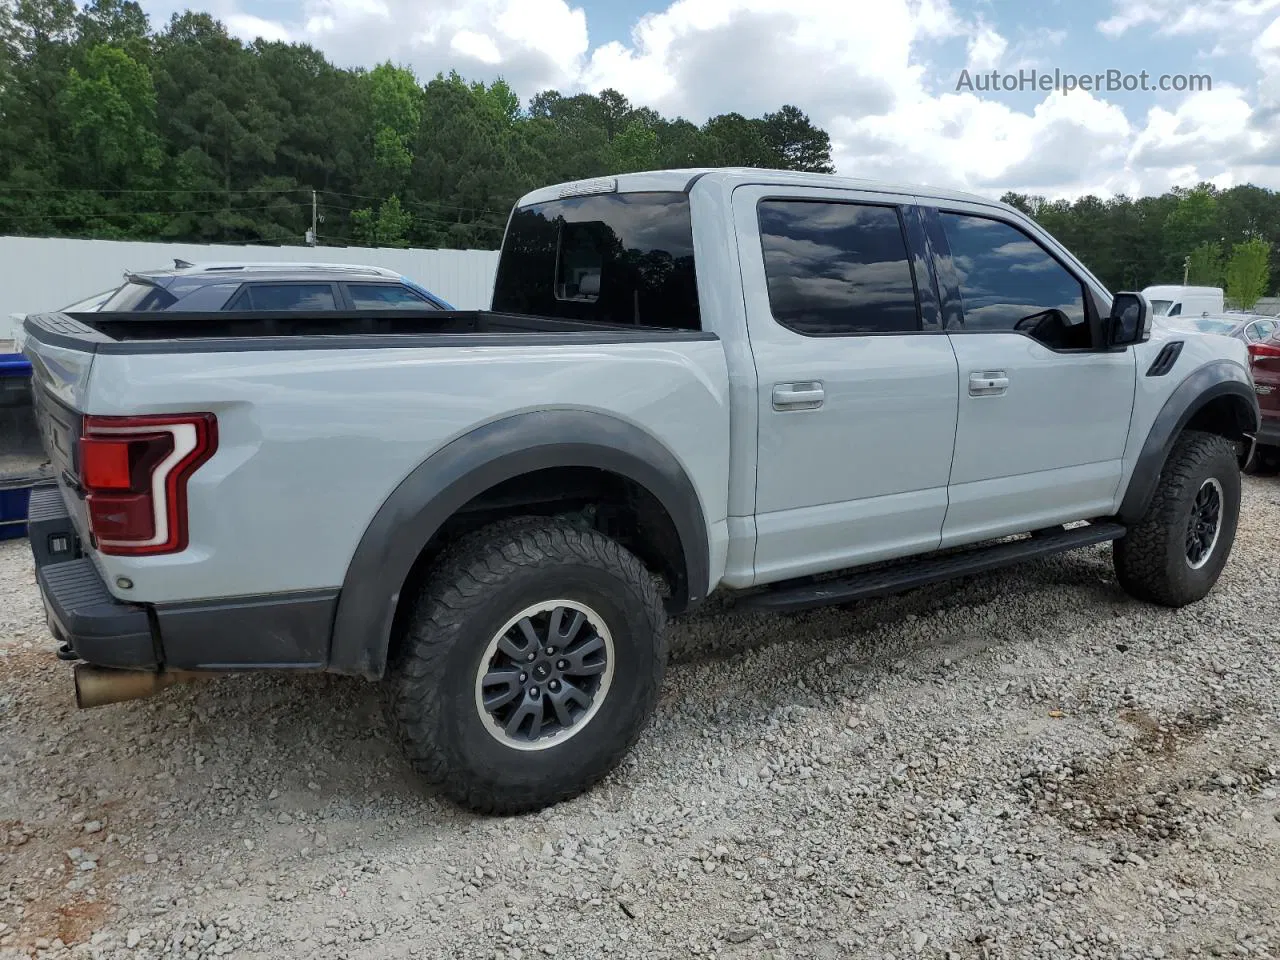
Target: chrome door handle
{"type": "Point", "coordinates": [798, 396]}
{"type": "Point", "coordinates": [988, 383]}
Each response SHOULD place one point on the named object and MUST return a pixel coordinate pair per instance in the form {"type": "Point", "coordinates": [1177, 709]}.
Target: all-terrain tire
{"type": "Point", "coordinates": [1151, 560]}
{"type": "Point", "coordinates": [476, 588]}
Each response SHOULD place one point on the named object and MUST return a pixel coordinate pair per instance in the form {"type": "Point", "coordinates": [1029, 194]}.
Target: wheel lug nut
{"type": "Point", "coordinates": [562, 664]}
{"type": "Point", "coordinates": [531, 657]}
{"type": "Point", "coordinates": [533, 692]}
{"type": "Point", "coordinates": [550, 650]}
{"type": "Point", "coordinates": [554, 685]}
{"type": "Point", "coordinates": [524, 677]}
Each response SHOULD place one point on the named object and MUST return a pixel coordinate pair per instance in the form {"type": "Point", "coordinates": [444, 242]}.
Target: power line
{"type": "Point", "coordinates": [168, 190]}
{"type": "Point", "coordinates": [417, 203]}
{"type": "Point", "coordinates": [131, 213]}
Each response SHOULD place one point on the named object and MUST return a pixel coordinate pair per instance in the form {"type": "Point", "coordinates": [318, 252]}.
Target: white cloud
{"type": "Point", "coordinates": [864, 70]}
{"type": "Point", "coordinates": [1173, 17]}
{"type": "Point", "coordinates": [251, 27]}
{"type": "Point", "coordinates": [986, 47]}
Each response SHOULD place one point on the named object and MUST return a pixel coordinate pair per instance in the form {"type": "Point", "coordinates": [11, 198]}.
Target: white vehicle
{"type": "Point", "coordinates": [1175, 301]}
{"type": "Point", "coordinates": [791, 389]}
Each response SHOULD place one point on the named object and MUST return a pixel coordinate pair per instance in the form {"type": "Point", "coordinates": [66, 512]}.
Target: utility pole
{"type": "Point", "coordinates": [311, 234]}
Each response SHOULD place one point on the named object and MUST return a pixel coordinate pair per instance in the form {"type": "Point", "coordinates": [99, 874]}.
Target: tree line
{"type": "Point", "coordinates": [111, 129]}
{"type": "Point", "coordinates": [1211, 237]}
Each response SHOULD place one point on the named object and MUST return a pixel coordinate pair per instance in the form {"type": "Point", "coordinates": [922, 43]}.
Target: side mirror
{"type": "Point", "coordinates": [1129, 321]}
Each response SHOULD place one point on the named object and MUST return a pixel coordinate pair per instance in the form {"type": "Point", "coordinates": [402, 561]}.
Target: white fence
{"type": "Point", "coordinates": [45, 273]}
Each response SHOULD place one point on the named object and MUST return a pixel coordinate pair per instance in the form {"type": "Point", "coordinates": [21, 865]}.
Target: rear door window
{"type": "Point", "coordinates": [618, 258]}
{"type": "Point", "coordinates": [386, 296]}
{"type": "Point", "coordinates": [837, 268]}
{"type": "Point", "coordinates": [285, 296]}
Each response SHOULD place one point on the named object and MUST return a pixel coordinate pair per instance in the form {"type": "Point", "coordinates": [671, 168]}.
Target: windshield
{"type": "Point", "coordinates": [1206, 325]}
{"type": "Point", "coordinates": [1160, 307]}
{"type": "Point", "coordinates": [139, 296]}
{"type": "Point", "coordinates": [88, 303]}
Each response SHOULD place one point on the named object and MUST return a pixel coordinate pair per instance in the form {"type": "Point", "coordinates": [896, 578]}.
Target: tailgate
{"type": "Point", "coordinates": [59, 381]}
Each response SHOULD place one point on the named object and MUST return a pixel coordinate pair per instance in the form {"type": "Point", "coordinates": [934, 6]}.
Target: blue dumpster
{"type": "Point", "coordinates": [21, 457]}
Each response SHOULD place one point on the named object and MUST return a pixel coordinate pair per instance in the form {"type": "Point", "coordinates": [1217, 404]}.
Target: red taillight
{"type": "Point", "coordinates": [1259, 350]}
{"type": "Point", "coordinates": [135, 471]}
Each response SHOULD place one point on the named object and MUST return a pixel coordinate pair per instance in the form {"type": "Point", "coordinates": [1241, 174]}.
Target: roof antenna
{"type": "Point", "coordinates": [180, 264]}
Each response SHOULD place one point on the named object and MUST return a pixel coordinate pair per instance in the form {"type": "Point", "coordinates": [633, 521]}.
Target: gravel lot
{"type": "Point", "coordinates": [1021, 765]}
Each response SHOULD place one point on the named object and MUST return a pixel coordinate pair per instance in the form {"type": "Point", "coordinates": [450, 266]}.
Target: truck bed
{"type": "Point", "coordinates": [151, 332]}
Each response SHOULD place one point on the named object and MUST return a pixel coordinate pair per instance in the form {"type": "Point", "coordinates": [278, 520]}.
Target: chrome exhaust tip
{"type": "Point", "coordinates": [99, 686]}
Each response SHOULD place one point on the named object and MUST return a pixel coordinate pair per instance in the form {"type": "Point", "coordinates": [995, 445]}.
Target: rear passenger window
{"type": "Point", "coordinates": [837, 268]}
{"type": "Point", "coordinates": [285, 296]}
{"type": "Point", "coordinates": [1010, 282]}
{"type": "Point", "coordinates": [385, 296]}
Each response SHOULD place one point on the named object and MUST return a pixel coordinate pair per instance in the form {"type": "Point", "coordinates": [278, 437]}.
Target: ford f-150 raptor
{"type": "Point", "coordinates": [795, 388]}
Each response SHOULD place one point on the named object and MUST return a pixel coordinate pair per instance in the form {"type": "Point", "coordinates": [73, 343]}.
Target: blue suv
{"type": "Point", "coordinates": [210, 287]}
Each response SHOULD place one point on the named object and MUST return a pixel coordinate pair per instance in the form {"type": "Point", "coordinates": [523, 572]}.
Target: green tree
{"type": "Point", "coordinates": [1191, 222]}
{"type": "Point", "coordinates": [110, 113]}
{"type": "Point", "coordinates": [1205, 266]}
{"type": "Point", "coordinates": [388, 227]}
{"type": "Point", "coordinates": [395, 111]}
{"type": "Point", "coordinates": [1249, 272]}
{"type": "Point", "coordinates": [795, 142]}
{"type": "Point", "coordinates": [111, 128]}
{"type": "Point", "coordinates": [635, 148]}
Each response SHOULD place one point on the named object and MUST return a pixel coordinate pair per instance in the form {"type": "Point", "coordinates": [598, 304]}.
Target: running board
{"type": "Point", "coordinates": [907, 575]}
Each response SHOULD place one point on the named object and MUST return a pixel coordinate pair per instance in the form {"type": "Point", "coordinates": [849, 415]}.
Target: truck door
{"type": "Point", "coordinates": [1044, 413]}
{"type": "Point", "coordinates": [857, 396]}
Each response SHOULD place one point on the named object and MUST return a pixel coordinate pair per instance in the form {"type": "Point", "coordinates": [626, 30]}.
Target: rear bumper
{"type": "Point", "coordinates": [1269, 431]}
{"type": "Point", "coordinates": [281, 631]}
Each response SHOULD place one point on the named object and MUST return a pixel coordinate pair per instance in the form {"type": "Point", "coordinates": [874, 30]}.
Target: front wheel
{"type": "Point", "coordinates": [531, 664]}
{"type": "Point", "coordinates": [1175, 553]}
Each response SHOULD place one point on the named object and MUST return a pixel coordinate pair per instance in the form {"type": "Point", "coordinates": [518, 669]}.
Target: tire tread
{"type": "Point", "coordinates": [456, 590]}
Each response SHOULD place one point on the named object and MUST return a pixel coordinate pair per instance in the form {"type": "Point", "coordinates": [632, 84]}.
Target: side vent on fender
{"type": "Point", "coordinates": [1165, 359]}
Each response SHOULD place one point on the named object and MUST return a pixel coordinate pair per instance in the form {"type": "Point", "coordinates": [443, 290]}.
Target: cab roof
{"type": "Point", "coordinates": [683, 178]}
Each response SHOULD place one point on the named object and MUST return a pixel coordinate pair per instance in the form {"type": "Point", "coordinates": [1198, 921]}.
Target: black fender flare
{"type": "Point", "coordinates": [469, 465]}
{"type": "Point", "coordinates": [1203, 385]}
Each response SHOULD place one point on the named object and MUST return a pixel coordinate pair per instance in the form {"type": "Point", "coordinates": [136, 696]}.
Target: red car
{"type": "Point", "coordinates": [1264, 359]}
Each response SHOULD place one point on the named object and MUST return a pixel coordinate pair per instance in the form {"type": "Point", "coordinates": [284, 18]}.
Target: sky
{"type": "Point", "coordinates": [903, 87]}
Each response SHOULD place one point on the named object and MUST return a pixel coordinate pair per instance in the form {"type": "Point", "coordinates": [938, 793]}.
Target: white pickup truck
{"type": "Point", "coordinates": [797, 388]}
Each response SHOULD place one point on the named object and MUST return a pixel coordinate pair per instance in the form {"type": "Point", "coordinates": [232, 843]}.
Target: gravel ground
{"type": "Point", "coordinates": [1021, 765]}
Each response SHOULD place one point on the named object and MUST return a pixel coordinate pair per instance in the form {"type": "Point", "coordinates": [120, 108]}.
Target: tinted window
{"type": "Point", "coordinates": [139, 296]}
{"type": "Point", "coordinates": [285, 296]}
{"type": "Point", "coordinates": [615, 258]}
{"type": "Point", "coordinates": [385, 296]}
{"type": "Point", "coordinates": [1009, 282]}
{"type": "Point", "coordinates": [1260, 330]}
{"type": "Point", "coordinates": [1177, 309]}
{"type": "Point", "coordinates": [197, 297]}
{"type": "Point", "coordinates": [837, 268]}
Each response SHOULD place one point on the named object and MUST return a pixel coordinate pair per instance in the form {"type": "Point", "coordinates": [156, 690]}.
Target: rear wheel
{"type": "Point", "coordinates": [532, 663]}
{"type": "Point", "coordinates": [1175, 553]}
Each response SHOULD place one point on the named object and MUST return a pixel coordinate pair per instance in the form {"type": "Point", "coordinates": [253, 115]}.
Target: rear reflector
{"type": "Point", "coordinates": [121, 516]}
{"type": "Point", "coordinates": [135, 471]}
